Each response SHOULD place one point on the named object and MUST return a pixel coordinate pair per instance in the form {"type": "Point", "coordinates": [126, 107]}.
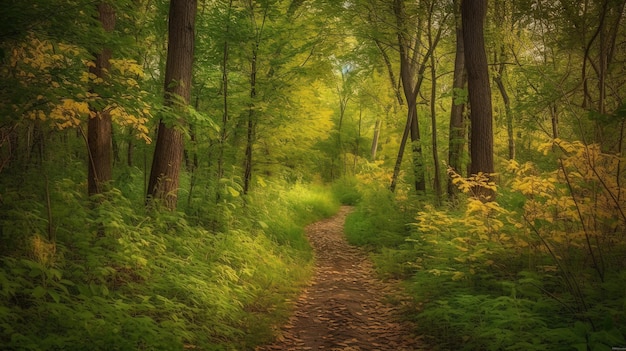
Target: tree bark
{"type": "Point", "coordinates": [252, 111]}
{"type": "Point", "coordinates": [457, 137]}
{"type": "Point", "coordinates": [433, 116]}
{"type": "Point", "coordinates": [225, 113]}
{"type": "Point", "coordinates": [251, 123]}
{"type": "Point", "coordinates": [408, 67]}
{"type": "Point", "coordinates": [375, 140]}
{"type": "Point", "coordinates": [507, 110]}
{"type": "Point", "coordinates": [99, 127]}
{"type": "Point", "coordinates": [168, 153]}
{"type": "Point", "coordinates": [501, 57]}
{"type": "Point", "coordinates": [481, 117]}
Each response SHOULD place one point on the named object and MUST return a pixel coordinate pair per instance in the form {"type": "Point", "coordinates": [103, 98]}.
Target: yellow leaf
{"type": "Point", "coordinates": [458, 276]}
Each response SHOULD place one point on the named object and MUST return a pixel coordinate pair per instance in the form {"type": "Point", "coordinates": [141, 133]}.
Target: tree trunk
{"type": "Point", "coordinates": [130, 149]}
{"type": "Point", "coordinates": [405, 136]}
{"type": "Point", "coordinates": [375, 140]}
{"type": "Point", "coordinates": [357, 143]}
{"type": "Point", "coordinates": [501, 57]}
{"type": "Point", "coordinates": [247, 175]}
{"type": "Point", "coordinates": [457, 137]}
{"type": "Point", "coordinates": [473, 17]}
{"type": "Point", "coordinates": [99, 127]}
{"type": "Point", "coordinates": [418, 157]}
{"type": "Point", "coordinates": [507, 111]}
{"type": "Point", "coordinates": [408, 67]}
{"type": "Point", "coordinates": [554, 119]}
{"type": "Point", "coordinates": [252, 111]}
{"type": "Point", "coordinates": [168, 153]}
{"type": "Point", "coordinates": [433, 120]}
{"type": "Point", "coordinates": [225, 116]}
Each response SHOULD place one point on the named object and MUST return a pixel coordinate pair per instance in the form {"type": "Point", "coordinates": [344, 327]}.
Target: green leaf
{"type": "Point", "coordinates": [39, 292]}
{"type": "Point", "coordinates": [54, 295]}
{"type": "Point", "coordinates": [55, 273]}
{"type": "Point", "coordinates": [232, 191]}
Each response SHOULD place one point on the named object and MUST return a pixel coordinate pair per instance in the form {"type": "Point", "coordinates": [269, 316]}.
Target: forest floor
{"type": "Point", "coordinates": [346, 307]}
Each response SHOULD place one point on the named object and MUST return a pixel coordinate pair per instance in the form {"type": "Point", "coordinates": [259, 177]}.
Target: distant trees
{"type": "Point", "coordinates": [263, 83]}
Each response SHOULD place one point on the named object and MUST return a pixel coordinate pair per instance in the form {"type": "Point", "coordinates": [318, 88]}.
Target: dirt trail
{"type": "Point", "coordinates": [343, 308]}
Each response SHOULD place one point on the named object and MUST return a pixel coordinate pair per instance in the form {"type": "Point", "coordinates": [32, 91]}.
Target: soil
{"type": "Point", "coordinates": [346, 307]}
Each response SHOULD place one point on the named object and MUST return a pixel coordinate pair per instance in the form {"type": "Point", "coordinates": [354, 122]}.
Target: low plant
{"type": "Point", "coordinates": [117, 276]}
{"type": "Point", "coordinates": [538, 269]}
{"type": "Point", "coordinates": [346, 191]}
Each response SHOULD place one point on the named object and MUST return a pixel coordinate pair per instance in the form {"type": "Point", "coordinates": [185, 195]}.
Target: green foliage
{"type": "Point", "coordinates": [487, 277]}
{"type": "Point", "coordinates": [155, 280]}
{"type": "Point", "coordinates": [378, 220]}
{"type": "Point", "coordinates": [346, 191]}
{"type": "Point", "coordinates": [542, 268]}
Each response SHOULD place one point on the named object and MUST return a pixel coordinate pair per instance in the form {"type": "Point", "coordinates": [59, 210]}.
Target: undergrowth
{"type": "Point", "coordinates": [156, 280]}
{"type": "Point", "coordinates": [541, 268]}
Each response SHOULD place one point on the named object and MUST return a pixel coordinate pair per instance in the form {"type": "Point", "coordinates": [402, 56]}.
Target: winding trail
{"type": "Point", "coordinates": [344, 307]}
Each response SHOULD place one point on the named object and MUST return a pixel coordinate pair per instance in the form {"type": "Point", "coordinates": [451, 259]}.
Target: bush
{"type": "Point", "coordinates": [346, 191]}
{"type": "Point", "coordinates": [118, 277]}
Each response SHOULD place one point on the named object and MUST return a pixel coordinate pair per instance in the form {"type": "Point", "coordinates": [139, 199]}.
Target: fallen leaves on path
{"type": "Point", "coordinates": [343, 308]}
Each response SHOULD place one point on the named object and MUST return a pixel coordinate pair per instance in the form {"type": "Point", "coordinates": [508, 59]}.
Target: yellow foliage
{"type": "Point", "coordinates": [122, 117]}
{"type": "Point", "coordinates": [35, 63]}
{"type": "Point", "coordinates": [69, 113]}
{"type": "Point", "coordinates": [582, 199]}
{"type": "Point", "coordinates": [127, 68]}
{"type": "Point", "coordinates": [458, 276]}
{"type": "Point", "coordinates": [475, 181]}
{"type": "Point", "coordinates": [43, 250]}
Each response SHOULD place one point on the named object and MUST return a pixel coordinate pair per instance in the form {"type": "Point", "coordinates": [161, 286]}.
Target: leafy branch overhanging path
{"type": "Point", "coordinates": [343, 308]}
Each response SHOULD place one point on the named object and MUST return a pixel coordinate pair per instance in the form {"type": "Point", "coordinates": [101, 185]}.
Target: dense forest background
{"type": "Point", "coordinates": [159, 160]}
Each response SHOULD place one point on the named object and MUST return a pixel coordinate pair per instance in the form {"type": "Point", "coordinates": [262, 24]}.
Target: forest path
{"type": "Point", "coordinates": [344, 307]}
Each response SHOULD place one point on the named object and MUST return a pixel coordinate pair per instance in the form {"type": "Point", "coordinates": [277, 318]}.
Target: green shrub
{"type": "Point", "coordinates": [119, 277]}
{"type": "Point", "coordinates": [379, 221]}
{"type": "Point", "coordinates": [346, 191]}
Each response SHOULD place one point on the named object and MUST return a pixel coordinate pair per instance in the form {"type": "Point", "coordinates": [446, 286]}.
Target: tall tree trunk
{"type": "Point", "coordinates": [375, 140]}
{"type": "Point", "coordinates": [409, 67]}
{"type": "Point", "coordinates": [129, 150]}
{"type": "Point", "coordinates": [247, 175]}
{"type": "Point", "coordinates": [168, 153]}
{"type": "Point", "coordinates": [252, 112]}
{"type": "Point", "coordinates": [99, 127]}
{"type": "Point", "coordinates": [433, 120]}
{"type": "Point", "coordinates": [416, 147]}
{"type": "Point", "coordinates": [500, 56]}
{"type": "Point", "coordinates": [554, 118]}
{"type": "Point", "coordinates": [225, 97]}
{"type": "Point", "coordinates": [457, 137]}
{"type": "Point", "coordinates": [433, 114]}
{"type": "Point", "coordinates": [507, 110]}
{"type": "Point", "coordinates": [344, 97]}
{"type": "Point", "coordinates": [357, 145]}
{"type": "Point", "coordinates": [473, 17]}
{"type": "Point", "coordinates": [398, 164]}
